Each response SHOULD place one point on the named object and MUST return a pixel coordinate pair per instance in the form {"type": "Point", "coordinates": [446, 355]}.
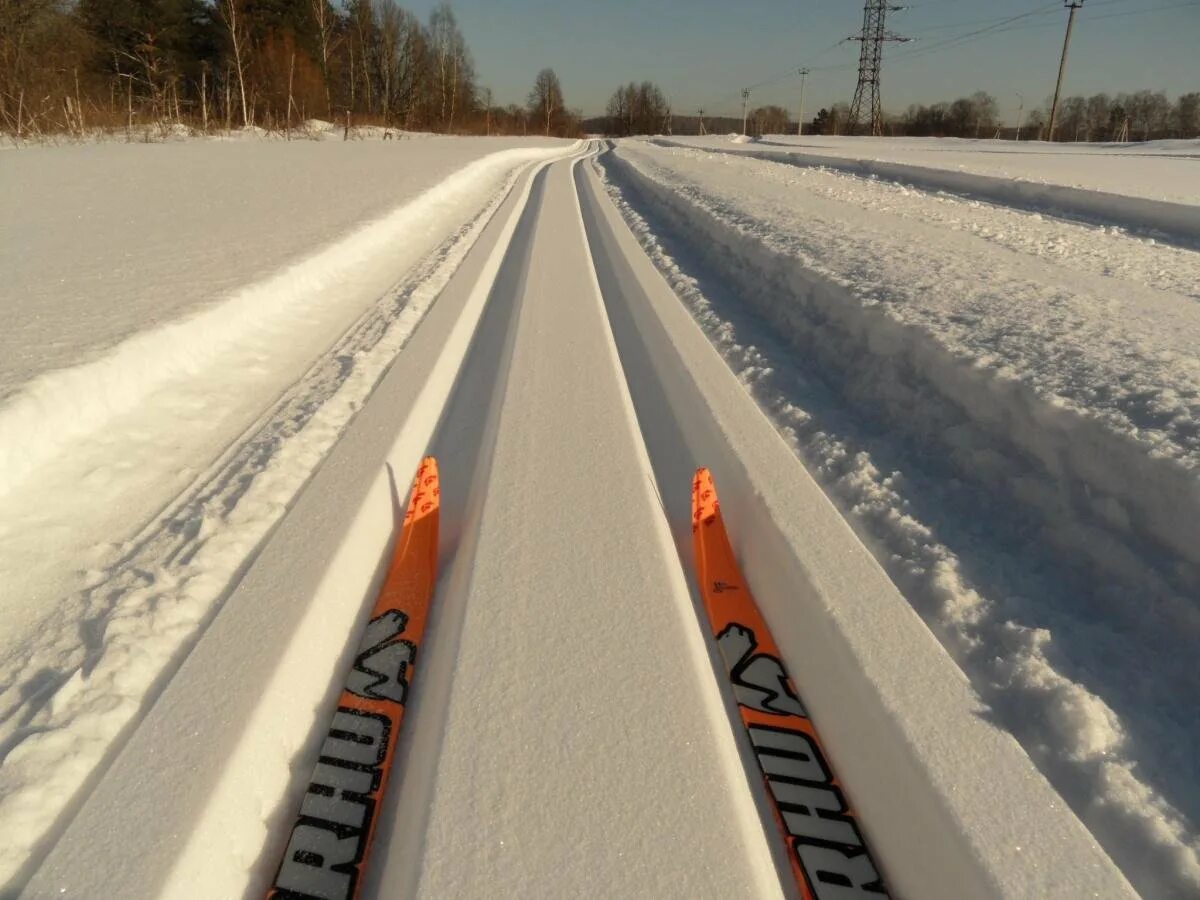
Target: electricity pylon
{"type": "Point", "coordinates": [870, 63]}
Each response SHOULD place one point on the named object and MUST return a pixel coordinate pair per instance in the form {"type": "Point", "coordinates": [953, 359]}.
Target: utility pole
{"type": "Point", "coordinates": [1072, 5]}
{"type": "Point", "coordinates": [1020, 113]}
{"type": "Point", "coordinates": [800, 118]}
{"type": "Point", "coordinates": [745, 97]}
{"type": "Point", "coordinates": [870, 63]}
{"type": "Point", "coordinates": [700, 112]}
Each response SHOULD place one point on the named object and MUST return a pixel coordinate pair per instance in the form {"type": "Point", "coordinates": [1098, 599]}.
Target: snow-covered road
{"type": "Point", "coordinates": [567, 730]}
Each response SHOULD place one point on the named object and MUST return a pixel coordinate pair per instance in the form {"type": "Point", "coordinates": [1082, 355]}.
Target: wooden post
{"type": "Point", "coordinates": [78, 104]}
{"type": "Point", "coordinates": [291, 75]}
{"type": "Point", "coordinates": [204, 95]}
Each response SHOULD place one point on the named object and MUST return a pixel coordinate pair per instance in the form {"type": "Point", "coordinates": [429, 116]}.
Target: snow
{"type": "Point", "coordinates": [286, 630]}
{"type": "Point", "coordinates": [924, 387]}
{"type": "Point", "coordinates": [1167, 170]}
{"type": "Point", "coordinates": [190, 439]}
{"type": "Point", "coordinates": [952, 438]}
{"type": "Point", "coordinates": [903, 730]}
{"type": "Point", "coordinates": [100, 241]}
{"type": "Point", "coordinates": [568, 620]}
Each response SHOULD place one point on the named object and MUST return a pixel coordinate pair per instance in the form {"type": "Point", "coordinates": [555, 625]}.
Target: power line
{"type": "Point", "coordinates": [837, 67]}
{"type": "Point", "coordinates": [873, 36]}
{"type": "Point", "coordinates": [1139, 12]}
{"type": "Point", "coordinates": [952, 43]}
{"type": "Point", "coordinates": [955, 39]}
{"type": "Point", "coordinates": [1073, 6]}
{"type": "Point", "coordinates": [789, 73]}
{"type": "Point", "coordinates": [993, 28]}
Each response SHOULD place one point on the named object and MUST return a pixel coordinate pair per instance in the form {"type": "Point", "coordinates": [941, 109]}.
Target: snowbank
{"type": "Point", "coordinates": [903, 729]}
{"type": "Point", "coordinates": [50, 411]}
{"type": "Point", "coordinates": [1168, 171]}
{"type": "Point", "coordinates": [808, 284]}
{"type": "Point", "coordinates": [79, 669]}
{"type": "Point", "coordinates": [1176, 222]}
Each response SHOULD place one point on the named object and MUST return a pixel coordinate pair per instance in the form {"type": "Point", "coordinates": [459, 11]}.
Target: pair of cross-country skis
{"type": "Point", "coordinates": [329, 846]}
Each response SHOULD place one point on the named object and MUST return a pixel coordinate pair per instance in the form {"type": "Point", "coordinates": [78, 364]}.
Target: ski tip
{"type": "Point", "coordinates": [426, 491]}
{"type": "Point", "coordinates": [705, 506]}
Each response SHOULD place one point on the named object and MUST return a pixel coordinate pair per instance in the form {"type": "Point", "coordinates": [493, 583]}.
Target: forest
{"type": "Point", "coordinates": [73, 67]}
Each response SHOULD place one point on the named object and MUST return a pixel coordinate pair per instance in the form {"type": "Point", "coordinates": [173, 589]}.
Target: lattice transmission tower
{"type": "Point", "coordinates": [870, 63]}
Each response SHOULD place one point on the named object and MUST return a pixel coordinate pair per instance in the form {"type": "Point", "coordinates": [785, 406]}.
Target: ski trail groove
{"type": "Point", "coordinates": [895, 713]}
{"type": "Point", "coordinates": [569, 619]}
{"type": "Point", "coordinates": [175, 576]}
{"type": "Point", "coordinates": [567, 734]}
{"type": "Point", "coordinates": [463, 444]}
{"type": "Point", "coordinates": [1063, 682]}
{"type": "Point", "coordinates": [1174, 223]}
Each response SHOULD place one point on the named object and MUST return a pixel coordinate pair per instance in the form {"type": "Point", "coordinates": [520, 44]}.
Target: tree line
{"type": "Point", "coordinates": [642, 108]}
{"type": "Point", "coordinates": [1139, 116]}
{"type": "Point", "coordinates": [67, 65]}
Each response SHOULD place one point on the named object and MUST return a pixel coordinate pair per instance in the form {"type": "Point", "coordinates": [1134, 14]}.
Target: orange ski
{"type": "Point", "coordinates": [327, 852]}
{"type": "Point", "coordinates": [825, 848]}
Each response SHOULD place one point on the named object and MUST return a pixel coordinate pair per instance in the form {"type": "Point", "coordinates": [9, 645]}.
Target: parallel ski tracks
{"type": "Point", "coordinates": [1158, 220]}
{"type": "Point", "coordinates": [171, 539]}
{"type": "Point", "coordinates": [483, 592]}
{"type": "Point", "coordinates": [267, 464]}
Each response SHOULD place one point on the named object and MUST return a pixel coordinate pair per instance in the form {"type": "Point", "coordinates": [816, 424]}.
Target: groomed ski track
{"type": "Point", "coordinates": [567, 736]}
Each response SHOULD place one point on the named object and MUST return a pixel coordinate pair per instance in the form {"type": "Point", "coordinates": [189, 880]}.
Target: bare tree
{"type": "Point", "coordinates": [398, 61]}
{"type": "Point", "coordinates": [546, 98]}
{"type": "Point", "coordinates": [365, 29]}
{"type": "Point", "coordinates": [1099, 110]}
{"type": "Point", "coordinates": [40, 44]}
{"type": "Point", "coordinates": [770, 120]}
{"type": "Point", "coordinates": [326, 21]}
{"type": "Point", "coordinates": [638, 109]}
{"type": "Point", "coordinates": [232, 15]}
{"type": "Point", "coordinates": [1187, 116]}
{"type": "Point", "coordinates": [984, 112]}
{"type": "Point", "coordinates": [1073, 119]}
{"type": "Point", "coordinates": [452, 69]}
{"type": "Point", "coordinates": [1150, 112]}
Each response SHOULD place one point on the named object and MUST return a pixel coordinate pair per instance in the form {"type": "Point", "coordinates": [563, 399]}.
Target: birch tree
{"type": "Point", "coordinates": [232, 13]}
{"type": "Point", "coordinates": [546, 99]}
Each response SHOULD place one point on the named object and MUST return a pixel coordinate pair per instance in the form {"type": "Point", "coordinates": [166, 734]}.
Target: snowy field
{"type": "Point", "coordinates": [1007, 405]}
{"type": "Point", "coordinates": [1157, 170]}
{"type": "Point", "coordinates": [954, 437]}
{"type": "Point", "coordinates": [181, 318]}
{"type": "Point", "coordinates": [100, 241]}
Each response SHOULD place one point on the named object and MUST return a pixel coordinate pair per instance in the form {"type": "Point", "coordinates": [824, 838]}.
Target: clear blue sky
{"type": "Point", "coordinates": [703, 52]}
